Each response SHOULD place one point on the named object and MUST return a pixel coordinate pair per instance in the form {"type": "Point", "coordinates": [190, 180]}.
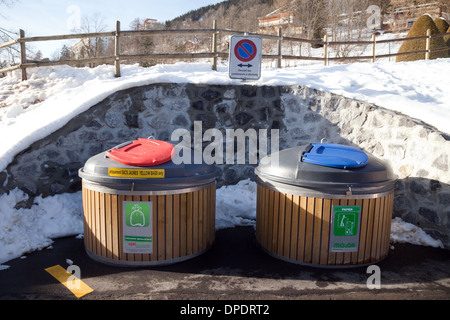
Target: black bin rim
{"type": "Point", "coordinates": [294, 176]}
{"type": "Point", "coordinates": [102, 172]}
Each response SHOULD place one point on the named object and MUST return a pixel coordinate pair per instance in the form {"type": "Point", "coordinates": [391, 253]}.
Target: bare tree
{"type": "Point", "coordinates": [90, 47]}
{"type": "Point", "coordinates": [10, 55]}
{"type": "Point", "coordinates": [347, 21]}
{"type": "Point", "coordinates": [311, 16]}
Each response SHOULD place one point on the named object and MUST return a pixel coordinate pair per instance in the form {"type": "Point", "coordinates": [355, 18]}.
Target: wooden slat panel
{"type": "Point", "coordinates": [108, 225]}
{"type": "Point", "coordinates": [176, 226]}
{"type": "Point", "coordinates": [326, 221]}
{"type": "Point", "coordinates": [309, 231]}
{"type": "Point", "coordinates": [120, 201]}
{"type": "Point", "coordinates": [380, 219]}
{"type": "Point", "coordinates": [316, 244]}
{"type": "Point", "coordinates": [287, 226]}
{"type": "Point", "coordinates": [205, 214]}
{"type": "Point", "coordinates": [154, 255]}
{"type": "Point", "coordinates": [269, 212]}
{"type": "Point", "coordinates": [363, 230]}
{"type": "Point", "coordinates": [169, 227]}
{"type": "Point", "coordinates": [370, 222]}
{"type": "Point", "coordinates": [98, 224]}
{"type": "Point", "coordinates": [276, 208]}
{"type": "Point", "coordinates": [302, 229]}
{"type": "Point", "coordinates": [281, 218]}
{"type": "Point", "coordinates": [183, 224]}
{"type": "Point", "coordinates": [161, 227]}
{"type": "Point", "coordinates": [86, 218]}
{"type": "Point", "coordinates": [173, 228]}
{"type": "Point", "coordinates": [260, 221]}
{"type": "Point", "coordinates": [189, 230]}
{"type": "Point", "coordinates": [212, 215]}
{"type": "Point", "coordinates": [294, 227]}
{"type": "Point", "coordinates": [298, 228]}
{"type": "Point", "coordinates": [387, 225]}
{"type": "Point", "coordinates": [102, 216]}
{"type": "Point", "coordinates": [114, 227]}
{"type": "Point", "coordinates": [86, 226]}
{"type": "Point", "coordinates": [373, 251]}
{"type": "Point", "coordinates": [195, 221]}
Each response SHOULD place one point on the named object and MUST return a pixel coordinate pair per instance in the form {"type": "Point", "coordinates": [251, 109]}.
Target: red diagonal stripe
{"type": "Point", "coordinates": [243, 48]}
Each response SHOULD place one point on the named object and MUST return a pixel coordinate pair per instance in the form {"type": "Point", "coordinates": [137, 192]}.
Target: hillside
{"type": "Point", "coordinates": [231, 14]}
{"type": "Point", "coordinates": [244, 14]}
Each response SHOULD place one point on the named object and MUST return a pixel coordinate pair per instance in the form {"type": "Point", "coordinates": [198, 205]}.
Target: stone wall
{"type": "Point", "coordinates": [418, 153]}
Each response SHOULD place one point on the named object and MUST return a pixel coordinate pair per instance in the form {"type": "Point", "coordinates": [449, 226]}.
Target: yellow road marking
{"type": "Point", "coordinates": [71, 282]}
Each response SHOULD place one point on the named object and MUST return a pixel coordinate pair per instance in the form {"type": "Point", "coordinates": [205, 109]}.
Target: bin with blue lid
{"type": "Point", "coordinates": [326, 205]}
{"type": "Point", "coordinates": [142, 209]}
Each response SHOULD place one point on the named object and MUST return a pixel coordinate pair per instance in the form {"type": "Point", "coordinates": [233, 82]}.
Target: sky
{"type": "Point", "coordinates": [54, 17]}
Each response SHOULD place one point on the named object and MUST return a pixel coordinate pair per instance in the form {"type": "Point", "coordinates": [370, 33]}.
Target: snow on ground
{"type": "Point", "coordinates": [32, 109]}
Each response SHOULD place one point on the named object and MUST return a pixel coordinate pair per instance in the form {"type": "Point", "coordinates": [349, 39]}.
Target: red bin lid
{"type": "Point", "coordinates": [143, 153]}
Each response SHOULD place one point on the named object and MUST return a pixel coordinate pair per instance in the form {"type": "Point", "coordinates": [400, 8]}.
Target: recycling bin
{"type": "Point", "coordinates": [142, 209]}
{"type": "Point", "coordinates": [324, 205]}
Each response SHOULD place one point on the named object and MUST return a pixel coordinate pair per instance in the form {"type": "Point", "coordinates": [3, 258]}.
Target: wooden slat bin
{"type": "Point", "coordinates": [143, 209]}
{"type": "Point", "coordinates": [183, 226]}
{"type": "Point", "coordinates": [324, 205]}
{"type": "Point", "coordinates": [297, 228]}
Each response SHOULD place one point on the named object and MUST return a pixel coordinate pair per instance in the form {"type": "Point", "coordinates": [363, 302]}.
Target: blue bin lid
{"type": "Point", "coordinates": [322, 168]}
{"type": "Point", "coordinates": [335, 156]}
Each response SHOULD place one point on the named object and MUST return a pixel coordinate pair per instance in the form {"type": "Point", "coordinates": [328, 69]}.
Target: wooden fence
{"type": "Point", "coordinates": [213, 53]}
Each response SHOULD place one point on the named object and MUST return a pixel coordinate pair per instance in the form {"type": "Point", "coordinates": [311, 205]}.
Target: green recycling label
{"type": "Point", "coordinates": [345, 222]}
{"type": "Point", "coordinates": [137, 227]}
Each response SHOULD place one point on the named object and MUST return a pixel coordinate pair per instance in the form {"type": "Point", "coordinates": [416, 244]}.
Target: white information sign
{"type": "Point", "coordinates": [245, 57]}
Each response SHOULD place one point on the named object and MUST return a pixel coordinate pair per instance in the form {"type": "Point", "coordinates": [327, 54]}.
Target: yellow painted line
{"type": "Point", "coordinates": [71, 282]}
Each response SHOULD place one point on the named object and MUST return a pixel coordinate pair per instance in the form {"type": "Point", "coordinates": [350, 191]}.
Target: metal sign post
{"type": "Point", "coordinates": [245, 57]}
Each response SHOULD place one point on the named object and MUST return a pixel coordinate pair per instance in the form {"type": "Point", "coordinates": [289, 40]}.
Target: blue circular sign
{"type": "Point", "coordinates": [245, 50]}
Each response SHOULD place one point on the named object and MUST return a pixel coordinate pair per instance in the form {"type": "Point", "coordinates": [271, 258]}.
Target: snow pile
{"type": "Point", "coordinates": [26, 230]}
{"type": "Point", "coordinates": [236, 205]}
{"type": "Point", "coordinates": [405, 232]}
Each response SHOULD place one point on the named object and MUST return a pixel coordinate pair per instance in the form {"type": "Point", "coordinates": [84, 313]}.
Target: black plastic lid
{"type": "Point", "coordinates": [372, 177]}
{"type": "Point", "coordinates": [101, 169]}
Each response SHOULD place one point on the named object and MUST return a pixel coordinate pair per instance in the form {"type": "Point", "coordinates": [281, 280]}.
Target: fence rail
{"type": "Point", "coordinates": [213, 54]}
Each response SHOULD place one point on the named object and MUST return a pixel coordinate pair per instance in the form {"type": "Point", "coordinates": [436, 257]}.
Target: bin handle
{"type": "Point", "coordinates": [120, 146]}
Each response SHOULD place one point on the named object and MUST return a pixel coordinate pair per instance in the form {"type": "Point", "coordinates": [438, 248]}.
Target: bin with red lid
{"type": "Point", "coordinates": [142, 209]}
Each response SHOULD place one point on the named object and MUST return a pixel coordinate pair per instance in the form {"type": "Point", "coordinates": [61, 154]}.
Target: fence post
{"type": "Point", "coordinates": [23, 55]}
{"type": "Point", "coordinates": [373, 47]}
{"type": "Point", "coordinates": [214, 46]}
{"type": "Point", "coordinates": [325, 50]}
{"type": "Point", "coordinates": [117, 51]}
{"type": "Point", "coordinates": [428, 45]}
{"type": "Point", "coordinates": [279, 48]}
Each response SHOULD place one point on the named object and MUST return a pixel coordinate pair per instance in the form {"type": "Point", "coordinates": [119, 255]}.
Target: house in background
{"type": "Point", "coordinates": [402, 18]}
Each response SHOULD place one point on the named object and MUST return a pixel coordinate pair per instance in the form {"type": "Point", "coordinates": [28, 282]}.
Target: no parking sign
{"type": "Point", "coordinates": [245, 57]}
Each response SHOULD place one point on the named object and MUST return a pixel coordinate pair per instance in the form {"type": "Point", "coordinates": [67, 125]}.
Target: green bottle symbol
{"type": "Point", "coordinates": [137, 218]}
